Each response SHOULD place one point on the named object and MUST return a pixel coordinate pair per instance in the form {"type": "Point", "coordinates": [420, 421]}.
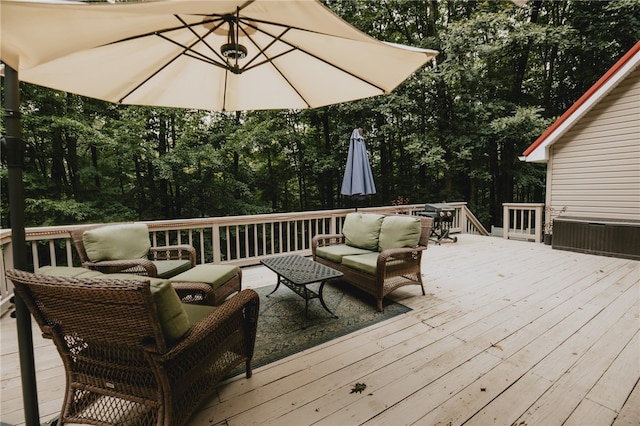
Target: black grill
{"type": "Point", "coordinates": [443, 215]}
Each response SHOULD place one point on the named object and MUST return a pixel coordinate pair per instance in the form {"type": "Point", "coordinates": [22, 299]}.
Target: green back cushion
{"type": "Point", "coordinates": [173, 318]}
{"type": "Point", "coordinates": [362, 230]}
{"type": "Point", "coordinates": [399, 231]}
{"type": "Point", "coordinates": [171, 314]}
{"type": "Point", "coordinates": [117, 242]}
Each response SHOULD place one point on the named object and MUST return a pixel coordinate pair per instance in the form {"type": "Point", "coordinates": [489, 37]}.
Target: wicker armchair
{"type": "Point", "coordinates": [120, 368]}
{"type": "Point", "coordinates": [149, 266]}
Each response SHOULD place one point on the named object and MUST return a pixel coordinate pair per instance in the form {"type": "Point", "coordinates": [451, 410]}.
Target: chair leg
{"type": "Point", "coordinates": [249, 371]}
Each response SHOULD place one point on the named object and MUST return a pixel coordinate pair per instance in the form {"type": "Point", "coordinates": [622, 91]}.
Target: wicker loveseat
{"type": "Point", "coordinates": [132, 352]}
{"type": "Point", "coordinates": [376, 253]}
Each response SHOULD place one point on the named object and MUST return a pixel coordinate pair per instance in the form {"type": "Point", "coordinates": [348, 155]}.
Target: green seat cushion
{"type": "Point", "coordinates": [68, 271]}
{"type": "Point", "coordinates": [214, 275]}
{"type": "Point", "coordinates": [336, 252]}
{"type": "Point", "coordinates": [362, 230]}
{"type": "Point", "coordinates": [399, 231]}
{"type": "Point", "coordinates": [196, 312]}
{"type": "Point", "coordinates": [117, 242]}
{"type": "Point", "coordinates": [171, 314]}
{"type": "Point", "coordinates": [367, 263]}
{"type": "Point", "coordinates": [169, 268]}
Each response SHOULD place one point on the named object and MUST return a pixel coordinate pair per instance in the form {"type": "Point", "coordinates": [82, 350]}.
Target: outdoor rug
{"type": "Point", "coordinates": [280, 332]}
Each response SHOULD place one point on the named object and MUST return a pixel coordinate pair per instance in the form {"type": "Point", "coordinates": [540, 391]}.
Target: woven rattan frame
{"type": "Point", "coordinates": [119, 368]}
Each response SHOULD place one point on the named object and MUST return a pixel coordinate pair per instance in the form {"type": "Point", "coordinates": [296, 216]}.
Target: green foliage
{"type": "Point", "coordinates": [452, 131]}
{"type": "Point", "coordinates": [47, 212]}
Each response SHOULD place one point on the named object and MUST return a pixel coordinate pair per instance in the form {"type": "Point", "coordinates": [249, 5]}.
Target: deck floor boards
{"type": "Point", "coordinates": [509, 332]}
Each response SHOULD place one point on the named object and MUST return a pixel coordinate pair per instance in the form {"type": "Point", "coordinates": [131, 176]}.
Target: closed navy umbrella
{"type": "Point", "coordinates": [358, 178]}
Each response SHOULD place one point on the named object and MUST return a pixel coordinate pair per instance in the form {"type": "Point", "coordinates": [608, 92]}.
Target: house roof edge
{"type": "Point", "coordinates": [538, 150]}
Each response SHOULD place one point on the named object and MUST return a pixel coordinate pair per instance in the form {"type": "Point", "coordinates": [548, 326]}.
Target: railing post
{"type": "Point", "coordinates": [215, 243]}
{"type": "Point", "coordinates": [506, 219]}
{"type": "Point", "coordinates": [539, 216]}
{"type": "Point", "coordinates": [463, 219]}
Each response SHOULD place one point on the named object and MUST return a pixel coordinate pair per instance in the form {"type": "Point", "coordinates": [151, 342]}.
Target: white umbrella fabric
{"type": "Point", "coordinates": [221, 55]}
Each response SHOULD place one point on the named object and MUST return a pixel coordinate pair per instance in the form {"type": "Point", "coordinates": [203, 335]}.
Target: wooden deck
{"type": "Point", "coordinates": [510, 333]}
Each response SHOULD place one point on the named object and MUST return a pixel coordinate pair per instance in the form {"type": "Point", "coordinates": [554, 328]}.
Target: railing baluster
{"type": "Point", "coordinates": [247, 254]}
{"type": "Point", "coordinates": [216, 247]}
{"type": "Point", "coordinates": [36, 256]}
{"type": "Point", "coordinates": [273, 234]}
{"type": "Point", "coordinates": [67, 247]}
{"type": "Point", "coordinates": [52, 253]}
{"type": "Point", "coordinates": [229, 253]}
{"type": "Point", "coordinates": [237, 240]}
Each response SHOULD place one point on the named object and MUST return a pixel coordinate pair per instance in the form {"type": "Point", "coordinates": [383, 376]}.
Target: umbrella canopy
{"type": "Point", "coordinates": [219, 55]}
{"type": "Point", "coordinates": [358, 179]}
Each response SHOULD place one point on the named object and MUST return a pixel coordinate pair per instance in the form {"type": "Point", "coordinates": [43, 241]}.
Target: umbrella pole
{"type": "Point", "coordinates": [15, 161]}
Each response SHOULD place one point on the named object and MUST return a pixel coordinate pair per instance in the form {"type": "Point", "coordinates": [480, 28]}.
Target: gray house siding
{"type": "Point", "coordinates": [594, 169]}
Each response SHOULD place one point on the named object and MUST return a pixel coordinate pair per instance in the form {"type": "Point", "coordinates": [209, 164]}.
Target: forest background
{"type": "Point", "coordinates": [452, 132]}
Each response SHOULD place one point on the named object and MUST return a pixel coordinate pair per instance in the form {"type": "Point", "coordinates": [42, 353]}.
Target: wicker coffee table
{"type": "Point", "coordinates": [296, 272]}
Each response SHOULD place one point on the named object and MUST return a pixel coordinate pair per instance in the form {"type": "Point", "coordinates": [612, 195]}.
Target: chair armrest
{"type": "Point", "coordinates": [175, 252]}
{"type": "Point", "coordinates": [194, 293]}
{"type": "Point", "coordinates": [326, 240]}
{"type": "Point", "coordinates": [399, 258]}
{"type": "Point", "coordinates": [131, 266]}
{"type": "Point", "coordinates": [242, 308]}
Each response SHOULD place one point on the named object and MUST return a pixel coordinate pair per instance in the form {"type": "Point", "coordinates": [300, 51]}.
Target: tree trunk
{"type": "Point", "coordinates": [94, 164]}
{"type": "Point", "coordinates": [57, 162]}
{"type": "Point", "coordinates": [328, 177]}
{"type": "Point", "coordinates": [163, 184]}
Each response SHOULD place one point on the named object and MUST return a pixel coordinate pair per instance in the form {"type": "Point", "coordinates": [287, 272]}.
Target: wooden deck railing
{"type": "Point", "coordinates": [239, 240]}
{"type": "Point", "coordinates": [523, 221]}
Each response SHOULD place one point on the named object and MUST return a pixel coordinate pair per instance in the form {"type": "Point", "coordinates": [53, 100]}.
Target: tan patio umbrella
{"type": "Point", "coordinates": [219, 55]}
